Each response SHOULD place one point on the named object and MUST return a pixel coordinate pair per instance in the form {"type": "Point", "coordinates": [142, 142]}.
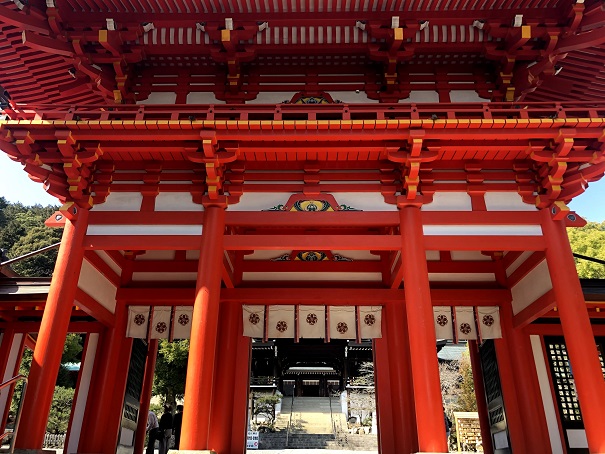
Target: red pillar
{"type": "Point", "coordinates": [394, 392]}
{"type": "Point", "coordinates": [579, 338]}
{"type": "Point", "coordinates": [152, 356]}
{"type": "Point", "coordinates": [103, 414]}
{"type": "Point", "coordinates": [421, 332]}
{"type": "Point", "coordinates": [530, 398]}
{"type": "Point", "coordinates": [508, 383]}
{"type": "Point", "coordinates": [53, 331]}
{"type": "Point", "coordinates": [486, 435]}
{"type": "Point", "coordinates": [384, 399]}
{"type": "Point", "coordinates": [241, 392]}
{"type": "Point", "coordinates": [200, 368]}
{"type": "Point", "coordinates": [226, 370]}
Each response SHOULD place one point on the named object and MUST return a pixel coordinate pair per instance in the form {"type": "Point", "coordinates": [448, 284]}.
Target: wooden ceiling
{"type": "Point", "coordinates": [110, 51]}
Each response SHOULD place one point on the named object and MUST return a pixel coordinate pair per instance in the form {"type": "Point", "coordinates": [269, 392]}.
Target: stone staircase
{"type": "Point", "coordinates": [310, 423]}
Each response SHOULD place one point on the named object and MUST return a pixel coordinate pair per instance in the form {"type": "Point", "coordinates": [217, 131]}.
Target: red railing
{"type": "Point", "coordinates": [309, 112]}
{"type": "Point", "coordinates": [13, 434]}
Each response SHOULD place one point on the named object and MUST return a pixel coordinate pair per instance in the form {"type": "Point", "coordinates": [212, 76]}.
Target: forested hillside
{"type": "Point", "coordinates": [22, 230]}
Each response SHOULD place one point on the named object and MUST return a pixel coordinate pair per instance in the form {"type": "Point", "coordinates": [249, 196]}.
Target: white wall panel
{"type": "Point", "coordinates": [547, 401]}
{"type": "Point", "coordinates": [124, 230]}
{"type": "Point", "coordinates": [506, 201]}
{"type": "Point", "coordinates": [482, 230]}
{"type": "Point", "coordinates": [466, 96]}
{"type": "Point", "coordinates": [259, 201]}
{"type": "Point", "coordinates": [121, 201]}
{"type": "Point", "coordinates": [176, 201]}
{"type": "Point", "coordinates": [462, 277]}
{"type": "Point", "coordinates": [517, 263]}
{"type": "Point", "coordinates": [107, 259]}
{"type": "Point", "coordinates": [531, 287]}
{"type": "Point", "coordinates": [82, 395]}
{"type": "Point", "coordinates": [363, 201]}
{"type": "Point", "coordinates": [97, 286]}
{"type": "Point", "coordinates": [449, 201]}
{"type": "Point", "coordinates": [293, 276]}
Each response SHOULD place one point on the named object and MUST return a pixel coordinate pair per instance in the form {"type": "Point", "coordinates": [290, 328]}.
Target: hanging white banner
{"type": "Point", "coordinates": [444, 329]}
{"type": "Point", "coordinates": [160, 322]}
{"type": "Point", "coordinates": [489, 322]}
{"type": "Point", "coordinates": [254, 321]}
{"type": "Point", "coordinates": [138, 321]}
{"type": "Point", "coordinates": [342, 322]}
{"type": "Point", "coordinates": [312, 322]}
{"type": "Point", "coordinates": [370, 322]}
{"type": "Point", "coordinates": [465, 323]}
{"type": "Point", "coordinates": [181, 325]}
{"type": "Point", "coordinates": [281, 322]}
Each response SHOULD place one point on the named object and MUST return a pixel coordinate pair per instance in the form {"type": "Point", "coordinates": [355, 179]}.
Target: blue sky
{"type": "Point", "coordinates": [15, 186]}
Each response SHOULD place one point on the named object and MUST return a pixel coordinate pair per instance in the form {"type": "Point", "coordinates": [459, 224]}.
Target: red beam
{"type": "Point", "coordinates": [93, 308]}
{"type": "Point", "coordinates": [34, 327]}
{"type": "Point", "coordinates": [484, 243]}
{"type": "Point", "coordinates": [47, 44]}
{"type": "Point", "coordinates": [102, 267]}
{"type": "Point", "coordinates": [525, 268]}
{"type": "Point", "coordinates": [331, 296]}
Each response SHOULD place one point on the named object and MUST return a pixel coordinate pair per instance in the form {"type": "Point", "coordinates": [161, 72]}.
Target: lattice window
{"type": "Point", "coordinates": [564, 383]}
{"type": "Point", "coordinates": [491, 376]}
{"type": "Point", "coordinates": [565, 388]}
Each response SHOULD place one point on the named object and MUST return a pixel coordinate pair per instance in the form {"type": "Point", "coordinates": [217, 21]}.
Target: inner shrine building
{"type": "Point", "coordinates": [230, 170]}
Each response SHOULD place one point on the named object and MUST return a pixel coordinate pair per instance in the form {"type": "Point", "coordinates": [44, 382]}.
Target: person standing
{"type": "Point", "coordinates": [165, 429]}
{"type": "Point", "coordinates": [176, 425]}
{"type": "Point", "coordinates": [152, 431]}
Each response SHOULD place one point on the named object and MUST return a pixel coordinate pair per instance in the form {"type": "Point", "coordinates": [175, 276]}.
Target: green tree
{"type": "Point", "coordinates": [22, 230]}
{"type": "Point", "coordinates": [467, 400]}
{"type": "Point", "coordinates": [171, 371]}
{"type": "Point", "coordinates": [589, 241]}
{"type": "Point", "coordinates": [60, 409]}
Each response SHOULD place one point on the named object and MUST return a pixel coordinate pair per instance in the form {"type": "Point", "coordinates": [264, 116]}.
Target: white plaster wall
{"type": "Point", "coordinates": [466, 96]}
{"type": "Point", "coordinates": [577, 438]}
{"type": "Point", "coordinates": [433, 255]}
{"type": "Point", "coordinates": [276, 97]}
{"type": "Point", "coordinates": [107, 259]}
{"type": "Point", "coordinates": [547, 400]}
{"type": "Point", "coordinates": [176, 201]}
{"type": "Point", "coordinates": [531, 287]}
{"type": "Point", "coordinates": [192, 255]}
{"type": "Point", "coordinates": [485, 230]}
{"type": "Point", "coordinates": [97, 286]}
{"type": "Point", "coordinates": [147, 277]}
{"type": "Point", "coordinates": [293, 276]}
{"type": "Point", "coordinates": [506, 201]}
{"type": "Point", "coordinates": [357, 255]}
{"type": "Point", "coordinates": [159, 97]}
{"type": "Point", "coordinates": [462, 277]}
{"type": "Point", "coordinates": [82, 395]}
{"type": "Point", "coordinates": [258, 201]}
{"type": "Point", "coordinates": [202, 97]}
{"type": "Point", "coordinates": [363, 201]}
{"type": "Point", "coordinates": [422, 97]}
{"type": "Point", "coordinates": [160, 230]}
{"type": "Point", "coordinates": [470, 256]}
{"type": "Point", "coordinates": [352, 97]}
{"type": "Point", "coordinates": [517, 263]}
{"type": "Point", "coordinates": [156, 255]}
{"type": "Point", "coordinates": [449, 201]}
{"type": "Point", "coordinates": [121, 201]}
